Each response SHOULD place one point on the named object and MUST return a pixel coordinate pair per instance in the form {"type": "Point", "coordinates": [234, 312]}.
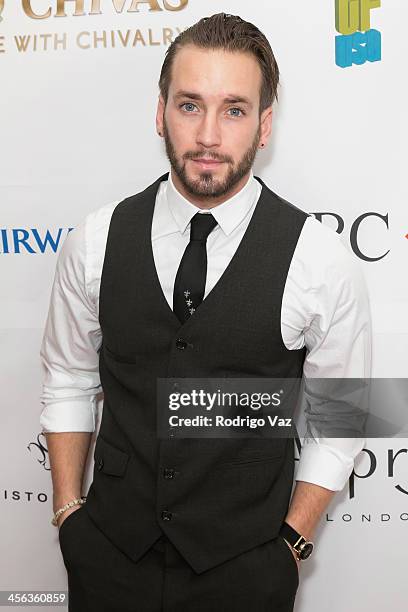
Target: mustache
{"type": "Point", "coordinates": [207, 155]}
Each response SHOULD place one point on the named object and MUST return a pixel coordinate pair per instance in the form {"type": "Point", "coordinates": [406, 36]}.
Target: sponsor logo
{"type": "Point", "coordinates": [359, 224]}
{"type": "Point", "coordinates": [31, 241]}
{"type": "Point", "coordinates": [390, 466]}
{"type": "Point", "coordinates": [357, 43]}
{"type": "Point", "coordinates": [90, 38]}
{"type": "Point", "coordinates": [40, 450]}
{"type": "Point", "coordinates": [366, 517]}
{"type": "Point", "coordinates": [17, 495]}
{"type": "Point", "coordinates": [81, 8]}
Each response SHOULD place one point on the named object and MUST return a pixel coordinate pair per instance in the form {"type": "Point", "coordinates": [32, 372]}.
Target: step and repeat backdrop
{"type": "Point", "coordinates": [78, 81]}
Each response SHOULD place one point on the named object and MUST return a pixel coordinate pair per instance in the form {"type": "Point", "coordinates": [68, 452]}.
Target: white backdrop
{"type": "Point", "coordinates": [77, 131]}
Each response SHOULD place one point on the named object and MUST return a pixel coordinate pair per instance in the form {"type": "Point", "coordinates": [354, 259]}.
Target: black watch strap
{"type": "Point", "coordinates": [290, 534]}
{"type": "Point", "coordinates": [298, 542]}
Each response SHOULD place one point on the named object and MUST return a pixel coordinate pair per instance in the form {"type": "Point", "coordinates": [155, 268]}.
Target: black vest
{"type": "Point", "coordinates": [213, 498]}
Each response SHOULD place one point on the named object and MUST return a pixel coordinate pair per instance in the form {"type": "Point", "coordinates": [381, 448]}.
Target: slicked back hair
{"type": "Point", "coordinates": [230, 33]}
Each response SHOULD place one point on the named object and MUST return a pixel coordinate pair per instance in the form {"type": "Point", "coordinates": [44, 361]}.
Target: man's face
{"type": "Point", "coordinates": [211, 122]}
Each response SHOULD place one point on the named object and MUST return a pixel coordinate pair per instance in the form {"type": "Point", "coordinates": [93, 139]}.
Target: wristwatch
{"type": "Point", "coordinates": [302, 547]}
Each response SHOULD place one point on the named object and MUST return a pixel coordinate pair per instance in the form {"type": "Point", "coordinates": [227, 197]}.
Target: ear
{"type": "Point", "coordinates": [160, 115]}
{"type": "Point", "coordinates": [266, 126]}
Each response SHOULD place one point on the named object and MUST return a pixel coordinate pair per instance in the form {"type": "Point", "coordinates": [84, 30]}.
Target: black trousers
{"type": "Point", "coordinates": [103, 579]}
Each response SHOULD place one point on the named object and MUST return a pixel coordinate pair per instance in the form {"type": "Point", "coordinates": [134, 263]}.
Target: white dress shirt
{"type": "Point", "coordinates": [325, 308]}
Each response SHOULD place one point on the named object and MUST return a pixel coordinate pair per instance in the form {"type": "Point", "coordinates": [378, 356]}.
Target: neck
{"type": "Point", "coordinates": [207, 202]}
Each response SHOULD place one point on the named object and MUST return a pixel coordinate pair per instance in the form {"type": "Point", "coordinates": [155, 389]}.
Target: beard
{"type": "Point", "coordinates": [206, 185]}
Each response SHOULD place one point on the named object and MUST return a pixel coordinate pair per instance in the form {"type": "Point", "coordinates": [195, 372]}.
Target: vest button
{"type": "Point", "coordinates": [181, 344]}
{"type": "Point", "coordinates": [100, 464]}
{"type": "Point", "coordinates": [168, 472]}
{"type": "Point", "coordinates": [166, 515]}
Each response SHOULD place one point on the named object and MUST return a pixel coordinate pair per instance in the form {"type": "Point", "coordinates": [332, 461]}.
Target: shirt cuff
{"type": "Point", "coordinates": [324, 465]}
{"type": "Point", "coordinates": [68, 416]}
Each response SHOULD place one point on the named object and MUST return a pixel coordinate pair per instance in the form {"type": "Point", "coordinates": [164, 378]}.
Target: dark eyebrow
{"type": "Point", "coordinates": [238, 100]}
{"type": "Point", "coordinates": [229, 100]}
{"type": "Point", "coordinates": [188, 94]}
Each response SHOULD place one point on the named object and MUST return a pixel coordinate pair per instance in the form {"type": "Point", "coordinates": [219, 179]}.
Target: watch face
{"type": "Point", "coordinates": [306, 550]}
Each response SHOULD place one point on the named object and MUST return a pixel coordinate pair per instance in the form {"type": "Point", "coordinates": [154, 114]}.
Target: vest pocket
{"type": "Point", "coordinates": [112, 355]}
{"type": "Point", "coordinates": [109, 459]}
{"type": "Point", "coordinates": [255, 452]}
{"type": "Point", "coordinates": [248, 461]}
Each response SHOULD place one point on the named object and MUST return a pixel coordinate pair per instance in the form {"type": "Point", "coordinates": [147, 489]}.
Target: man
{"type": "Point", "coordinates": [206, 273]}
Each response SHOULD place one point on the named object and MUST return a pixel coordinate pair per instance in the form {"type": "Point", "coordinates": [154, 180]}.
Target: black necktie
{"type": "Point", "coordinates": [189, 285]}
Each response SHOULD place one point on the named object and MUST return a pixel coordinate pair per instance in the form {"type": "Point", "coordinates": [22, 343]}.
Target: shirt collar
{"type": "Point", "coordinates": [228, 215]}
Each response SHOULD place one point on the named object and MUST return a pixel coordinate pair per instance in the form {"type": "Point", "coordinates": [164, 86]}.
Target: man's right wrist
{"type": "Point", "coordinates": [61, 499]}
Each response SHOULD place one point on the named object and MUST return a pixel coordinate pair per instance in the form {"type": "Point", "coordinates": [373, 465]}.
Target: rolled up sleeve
{"type": "Point", "coordinates": [70, 343]}
{"type": "Point", "coordinates": [338, 339]}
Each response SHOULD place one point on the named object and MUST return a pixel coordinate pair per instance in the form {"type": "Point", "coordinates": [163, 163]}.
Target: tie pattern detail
{"type": "Point", "coordinates": [189, 285]}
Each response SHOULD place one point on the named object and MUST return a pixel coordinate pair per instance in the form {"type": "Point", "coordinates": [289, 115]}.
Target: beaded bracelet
{"type": "Point", "coordinates": [74, 502]}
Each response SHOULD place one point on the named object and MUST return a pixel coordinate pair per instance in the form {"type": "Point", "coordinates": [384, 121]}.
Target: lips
{"type": "Point", "coordinates": [208, 163]}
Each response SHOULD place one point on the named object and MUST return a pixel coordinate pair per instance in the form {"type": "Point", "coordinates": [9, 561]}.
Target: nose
{"type": "Point", "coordinates": [209, 134]}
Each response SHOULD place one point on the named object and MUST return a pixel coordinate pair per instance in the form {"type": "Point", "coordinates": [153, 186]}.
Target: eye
{"type": "Point", "coordinates": [188, 106]}
{"type": "Point", "coordinates": [235, 112]}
